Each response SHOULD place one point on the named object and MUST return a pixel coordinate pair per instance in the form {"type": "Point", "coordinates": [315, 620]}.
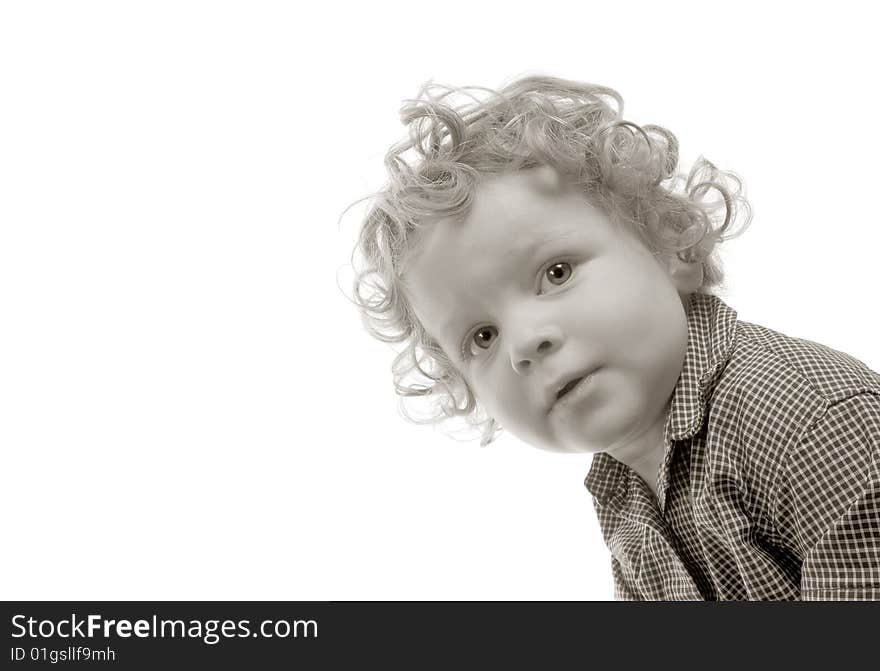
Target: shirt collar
{"type": "Point", "coordinates": [711, 336]}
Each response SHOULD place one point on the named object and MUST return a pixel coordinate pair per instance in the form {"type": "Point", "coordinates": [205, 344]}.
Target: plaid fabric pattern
{"type": "Point", "coordinates": [770, 484]}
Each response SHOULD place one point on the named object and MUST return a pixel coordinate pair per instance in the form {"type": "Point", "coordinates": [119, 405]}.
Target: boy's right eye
{"type": "Point", "coordinates": [481, 340]}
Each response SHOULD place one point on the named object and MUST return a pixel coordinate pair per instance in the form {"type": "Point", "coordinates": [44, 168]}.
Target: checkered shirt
{"type": "Point", "coordinates": [770, 483]}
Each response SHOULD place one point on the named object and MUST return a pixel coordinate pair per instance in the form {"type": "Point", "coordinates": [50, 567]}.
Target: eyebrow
{"type": "Point", "coordinates": [531, 248]}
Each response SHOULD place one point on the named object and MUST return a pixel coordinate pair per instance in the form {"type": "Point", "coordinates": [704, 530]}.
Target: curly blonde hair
{"type": "Point", "coordinates": [458, 136]}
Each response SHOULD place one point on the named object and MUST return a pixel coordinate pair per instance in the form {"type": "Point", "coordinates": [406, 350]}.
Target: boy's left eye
{"type": "Point", "coordinates": [558, 273]}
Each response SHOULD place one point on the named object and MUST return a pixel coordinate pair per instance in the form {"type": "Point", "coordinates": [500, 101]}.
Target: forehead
{"type": "Point", "coordinates": [510, 213]}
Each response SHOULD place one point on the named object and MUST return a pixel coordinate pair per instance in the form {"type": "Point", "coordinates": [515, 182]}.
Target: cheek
{"type": "Point", "coordinates": [640, 325]}
{"type": "Point", "coordinates": [487, 392]}
{"type": "Point", "coordinates": [643, 305]}
{"type": "Point", "coordinates": [500, 396]}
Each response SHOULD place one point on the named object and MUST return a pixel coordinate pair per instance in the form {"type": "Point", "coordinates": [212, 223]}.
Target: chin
{"type": "Point", "coordinates": [568, 448]}
{"type": "Point", "coordinates": [577, 440]}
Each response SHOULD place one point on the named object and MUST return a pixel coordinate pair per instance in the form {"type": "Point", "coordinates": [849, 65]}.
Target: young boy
{"type": "Point", "coordinates": [549, 272]}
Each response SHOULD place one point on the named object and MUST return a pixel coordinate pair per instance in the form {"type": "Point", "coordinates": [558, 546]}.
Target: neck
{"type": "Point", "coordinates": [644, 452]}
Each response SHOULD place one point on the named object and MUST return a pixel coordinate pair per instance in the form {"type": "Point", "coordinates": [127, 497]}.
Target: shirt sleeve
{"type": "Point", "coordinates": [829, 503]}
{"type": "Point", "coordinates": [622, 591]}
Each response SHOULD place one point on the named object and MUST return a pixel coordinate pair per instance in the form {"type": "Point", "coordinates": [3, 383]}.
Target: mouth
{"type": "Point", "coordinates": [567, 387]}
{"type": "Point", "coordinates": [570, 390]}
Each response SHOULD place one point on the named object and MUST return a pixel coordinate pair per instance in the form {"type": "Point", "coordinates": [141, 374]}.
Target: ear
{"type": "Point", "coordinates": [686, 276]}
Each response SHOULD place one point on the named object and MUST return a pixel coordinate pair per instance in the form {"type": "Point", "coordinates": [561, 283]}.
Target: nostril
{"type": "Point", "coordinates": [544, 346]}
{"type": "Point", "coordinates": [524, 364]}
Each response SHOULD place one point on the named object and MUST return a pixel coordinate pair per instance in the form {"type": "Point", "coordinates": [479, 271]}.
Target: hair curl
{"type": "Point", "coordinates": [459, 135]}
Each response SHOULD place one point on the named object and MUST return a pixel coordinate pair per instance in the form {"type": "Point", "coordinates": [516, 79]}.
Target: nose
{"type": "Point", "coordinates": [531, 348]}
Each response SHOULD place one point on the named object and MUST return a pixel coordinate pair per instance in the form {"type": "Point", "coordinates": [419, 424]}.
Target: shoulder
{"type": "Point", "coordinates": [776, 406]}
{"type": "Point", "coordinates": [784, 381]}
{"type": "Point", "coordinates": [831, 374]}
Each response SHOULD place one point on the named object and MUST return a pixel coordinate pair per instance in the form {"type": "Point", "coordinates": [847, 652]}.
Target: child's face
{"type": "Point", "coordinates": [537, 289]}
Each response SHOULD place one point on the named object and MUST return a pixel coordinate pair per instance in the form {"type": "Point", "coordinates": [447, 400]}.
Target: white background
{"type": "Point", "coordinates": [189, 408]}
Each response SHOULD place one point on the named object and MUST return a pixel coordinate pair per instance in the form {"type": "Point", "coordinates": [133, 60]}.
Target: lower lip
{"type": "Point", "coordinates": [574, 394]}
